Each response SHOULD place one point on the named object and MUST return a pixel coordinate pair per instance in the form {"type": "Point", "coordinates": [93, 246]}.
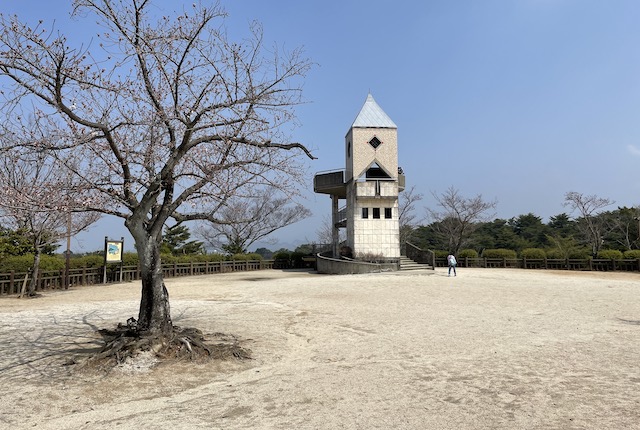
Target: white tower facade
{"type": "Point", "coordinates": [372, 184]}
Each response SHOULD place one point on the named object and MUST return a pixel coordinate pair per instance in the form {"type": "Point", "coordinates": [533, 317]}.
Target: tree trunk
{"type": "Point", "coordinates": [34, 275]}
{"type": "Point", "coordinates": [154, 315]}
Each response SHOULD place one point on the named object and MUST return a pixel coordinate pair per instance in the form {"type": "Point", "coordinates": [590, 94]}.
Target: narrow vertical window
{"type": "Point", "coordinates": [387, 213]}
{"type": "Point", "coordinates": [376, 213]}
{"type": "Point", "coordinates": [365, 212]}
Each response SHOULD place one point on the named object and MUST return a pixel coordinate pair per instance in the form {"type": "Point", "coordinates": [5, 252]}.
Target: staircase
{"type": "Point", "coordinates": [409, 264]}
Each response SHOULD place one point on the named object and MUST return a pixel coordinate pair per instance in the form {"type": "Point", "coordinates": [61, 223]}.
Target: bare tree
{"type": "Point", "coordinates": [247, 220]}
{"type": "Point", "coordinates": [166, 116]}
{"type": "Point", "coordinates": [38, 197]}
{"type": "Point", "coordinates": [324, 233]}
{"type": "Point", "coordinates": [623, 224]}
{"type": "Point", "coordinates": [458, 216]}
{"type": "Point", "coordinates": [407, 217]}
{"type": "Point", "coordinates": [592, 227]}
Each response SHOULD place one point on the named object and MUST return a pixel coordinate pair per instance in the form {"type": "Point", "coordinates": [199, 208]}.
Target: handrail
{"type": "Point", "coordinates": [419, 255]}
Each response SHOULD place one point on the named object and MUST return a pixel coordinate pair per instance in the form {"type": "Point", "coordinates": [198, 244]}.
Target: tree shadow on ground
{"type": "Point", "coordinates": [630, 322]}
{"type": "Point", "coordinates": [46, 347]}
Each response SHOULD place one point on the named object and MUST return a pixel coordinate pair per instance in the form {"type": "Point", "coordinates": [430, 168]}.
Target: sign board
{"type": "Point", "coordinates": [113, 251]}
{"type": "Point", "coordinates": [112, 254]}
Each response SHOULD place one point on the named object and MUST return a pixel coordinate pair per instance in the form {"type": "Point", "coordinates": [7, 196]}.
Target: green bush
{"type": "Point", "coordinates": [92, 260]}
{"type": "Point", "coordinates": [130, 258]}
{"type": "Point", "coordinates": [209, 257]}
{"type": "Point", "coordinates": [610, 254]}
{"type": "Point", "coordinates": [296, 259]}
{"type": "Point", "coordinates": [499, 253]}
{"type": "Point", "coordinates": [580, 253]}
{"type": "Point", "coordinates": [554, 254]}
{"type": "Point", "coordinates": [533, 253]}
{"type": "Point", "coordinates": [253, 256]}
{"type": "Point", "coordinates": [441, 254]}
{"type": "Point", "coordinates": [24, 263]}
{"type": "Point", "coordinates": [574, 253]}
{"type": "Point", "coordinates": [169, 258]}
{"type": "Point", "coordinates": [282, 255]}
{"type": "Point", "coordinates": [246, 257]}
{"type": "Point", "coordinates": [632, 253]}
{"type": "Point", "coordinates": [468, 253]}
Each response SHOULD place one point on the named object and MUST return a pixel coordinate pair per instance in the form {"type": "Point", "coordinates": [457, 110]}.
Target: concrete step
{"type": "Point", "coordinates": [408, 264]}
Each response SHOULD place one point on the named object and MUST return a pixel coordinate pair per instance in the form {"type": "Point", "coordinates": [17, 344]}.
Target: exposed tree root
{"type": "Point", "coordinates": [126, 342]}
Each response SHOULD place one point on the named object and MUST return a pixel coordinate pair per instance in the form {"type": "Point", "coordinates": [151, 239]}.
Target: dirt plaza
{"type": "Point", "coordinates": [487, 349]}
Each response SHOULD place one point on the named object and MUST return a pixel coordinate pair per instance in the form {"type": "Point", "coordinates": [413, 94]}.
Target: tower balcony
{"type": "Point", "coordinates": [331, 182]}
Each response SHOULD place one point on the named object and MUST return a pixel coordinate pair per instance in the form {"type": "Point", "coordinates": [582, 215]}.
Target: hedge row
{"type": "Point", "coordinates": [539, 253]}
{"type": "Point", "coordinates": [24, 263]}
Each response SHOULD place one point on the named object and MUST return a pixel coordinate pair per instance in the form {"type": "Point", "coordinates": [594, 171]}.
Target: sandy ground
{"type": "Point", "coordinates": [488, 349]}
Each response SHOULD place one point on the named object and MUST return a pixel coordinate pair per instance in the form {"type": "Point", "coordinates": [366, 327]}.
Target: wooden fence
{"type": "Point", "coordinates": [603, 265]}
{"type": "Point", "coordinates": [11, 283]}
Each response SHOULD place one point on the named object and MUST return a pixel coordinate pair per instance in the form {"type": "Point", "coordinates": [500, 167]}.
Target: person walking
{"type": "Point", "coordinates": [451, 261]}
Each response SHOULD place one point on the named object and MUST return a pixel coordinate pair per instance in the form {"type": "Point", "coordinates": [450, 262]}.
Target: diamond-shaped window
{"type": "Point", "coordinates": [375, 142]}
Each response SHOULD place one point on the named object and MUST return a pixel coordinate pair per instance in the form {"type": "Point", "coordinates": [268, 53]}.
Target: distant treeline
{"type": "Point", "coordinates": [611, 234]}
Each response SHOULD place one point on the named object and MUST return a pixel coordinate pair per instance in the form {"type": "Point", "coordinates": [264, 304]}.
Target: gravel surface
{"type": "Point", "coordinates": [487, 349]}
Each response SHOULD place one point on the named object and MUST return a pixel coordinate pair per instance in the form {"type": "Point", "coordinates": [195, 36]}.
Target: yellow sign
{"type": "Point", "coordinates": [114, 252]}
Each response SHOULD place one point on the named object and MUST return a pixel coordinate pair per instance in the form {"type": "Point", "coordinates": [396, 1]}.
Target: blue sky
{"type": "Point", "coordinates": [520, 101]}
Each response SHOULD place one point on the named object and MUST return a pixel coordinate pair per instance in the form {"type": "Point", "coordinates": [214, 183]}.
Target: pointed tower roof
{"type": "Point", "coordinates": [372, 115]}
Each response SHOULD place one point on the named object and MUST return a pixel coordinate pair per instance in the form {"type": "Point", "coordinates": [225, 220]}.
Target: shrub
{"type": "Point", "coordinates": [212, 258]}
{"type": "Point", "coordinates": [610, 254]}
{"type": "Point", "coordinates": [573, 253]}
{"type": "Point", "coordinates": [246, 257]}
{"type": "Point", "coordinates": [499, 253]}
{"type": "Point", "coordinates": [468, 253]}
{"type": "Point", "coordinates": [533, 253]}
{"type": "Point", "coordinates": [282, 260]}
{"type": "Point", "coordinates": [555, 254]}
{"type": "Point", "coordinates": [296, 259]}
{"type": "Point", "coordinates": [24, 263]}
{"type": "Point", "coordinates": [441, 254]}
{"type": "Point", "coordinates": [580, 253]}
{"type": "Point", "coordinates": [130, 258]}
{"type": "Point", "coordinates": [282, 255]}
{"type": "Point", "coordinates": [632, 253]}
{"type": "Point", "coordinates": [169, 258]}
{"type": "Point", "coordinates": [92, 260]}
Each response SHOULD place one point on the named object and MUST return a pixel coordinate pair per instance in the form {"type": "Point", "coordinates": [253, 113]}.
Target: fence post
{"type": "Point", "coordinates": [12, 277]}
